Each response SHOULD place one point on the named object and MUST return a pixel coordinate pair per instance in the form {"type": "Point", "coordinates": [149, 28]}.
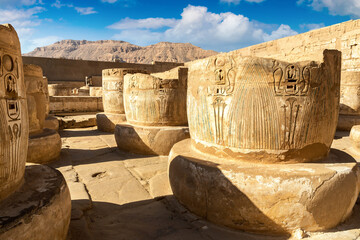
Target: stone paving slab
{"type": "Point", "coordinates": [67, 121]}
{"type": "Point", "coordinates": [119, 195]}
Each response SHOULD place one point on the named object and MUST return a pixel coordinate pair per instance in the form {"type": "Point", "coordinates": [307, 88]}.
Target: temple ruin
{"type": "Point", "coordinates": [258, 143]}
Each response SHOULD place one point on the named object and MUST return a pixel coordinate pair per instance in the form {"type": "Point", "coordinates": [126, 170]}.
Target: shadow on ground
{"type": "Point", "coordinates": [161, 219]}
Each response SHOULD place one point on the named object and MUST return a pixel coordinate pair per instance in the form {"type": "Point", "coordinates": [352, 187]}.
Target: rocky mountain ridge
{"type": "Point", "coordinates": [121, 51]}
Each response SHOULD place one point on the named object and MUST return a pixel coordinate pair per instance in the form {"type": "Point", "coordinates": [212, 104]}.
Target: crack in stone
{"type": "Point", "coordinates": [137, 179]}
{"type": "Point", "coordinates": [318, 187]}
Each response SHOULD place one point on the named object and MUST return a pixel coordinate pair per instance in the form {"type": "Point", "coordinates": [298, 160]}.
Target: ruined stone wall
{"type": "Point", "coordinates": [344, 37]}
{"type": "Point", "coordinates": [56, 69]}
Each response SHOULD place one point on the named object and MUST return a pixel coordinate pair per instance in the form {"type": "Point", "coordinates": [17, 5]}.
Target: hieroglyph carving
{"type": "Point", "coordinates": [294, 82]}
{"type": "Point", "coordinates": [163, 89]}
{"type": "Point", "coordinates": [221, 89]}
{"type": "Point", "coordinates": [9, 71]}
{"type": "Point", "coordinates": [133, 96]}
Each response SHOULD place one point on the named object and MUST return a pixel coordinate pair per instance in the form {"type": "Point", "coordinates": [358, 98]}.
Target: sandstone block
{"type": "Point", "coordinates": [149, 140]}
{"type": "Point", "coordinates": [44, 147]}
{"type": "Point", "coordinates": [51, 122]}
{"type": "Point", "coordinates": [264, 198]}
{"type": "Point", "coordinates": [14, 128]}
{"type": "Point", "coordinates": [39, 210]}
{"type": "Point", "coordinates": [106, 121]}
{"type": "Point", "coordinates": [262, 109]}
{"type": "Point", "coordinates": [112, 85]}
{"type": "Point", "coordinates": [36, 97]}
{"type": "Point", "coordinates": [155, 101]}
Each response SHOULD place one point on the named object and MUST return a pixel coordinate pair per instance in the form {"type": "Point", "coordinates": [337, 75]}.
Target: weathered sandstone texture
{"type": "Point", "coordinates": [51, 122]}
{"type": "Point", "coordinates": [106, 122]}
{"type": "Point", "coordinates": [44, 144]}
{"type": "Point", "coordinates": [155, 108]}
{"type": "Point", "coordinates": [39, 210]}
{"type": "Point", "coordinates": [247, 112]}
{"type": "Point", "coordinates": [34, 204]}
{"type": "Point", "coordinates": [59, 89]}
{"type": "Point", "coordinates": [149, 140]}
{"type": "Point", "coordinates": [75, 104]}
{"type": "Point", "coordinates": [156, 101]}
{"type": "Point", "coordinates": [44, 147]}
{"type": "Point", "coordinates": [112, 93]}
{"type": "Point", "coordinates": [14, 128]}
{"type": "Point", "coordinates": [36, 97]}
{"type": "Point", "coordinates": [355, 137]}
{"type": "Point", "coordinates": [265, 198]}
{"type": "Point", "coordinates": [95, 91]}
{"type": "Point", "coordinates": [264, 110]}
{"type": "Point", "coordinates": [309, 46]}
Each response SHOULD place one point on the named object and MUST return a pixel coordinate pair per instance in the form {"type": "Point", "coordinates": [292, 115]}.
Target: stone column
{"type": "Point", "coordinates": [51, 122]}
{"type": "Point", "coordinates": [13, 113]}
{"type": "Point", "coordinates": [34, 203]}
{"type": "Point", "coordinates": [44, 144]}
{"type": "Point", "coordinates": [259, 156]}
{"type": "Point", "coordinates": [112, 97]}
{"type": "Point", "coordinates": [155, 108]}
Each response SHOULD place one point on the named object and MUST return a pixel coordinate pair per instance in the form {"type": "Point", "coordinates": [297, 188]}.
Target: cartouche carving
{"type": "Point", "coordinates": [291, 80]}
{"type": "Point", "coordinates": [221, 88]}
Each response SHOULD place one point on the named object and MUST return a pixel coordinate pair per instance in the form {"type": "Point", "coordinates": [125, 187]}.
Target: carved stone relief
{"type": "Point", "coordinates": [262, 107]}
{"type": "Point", "coordinates": [13, 113]}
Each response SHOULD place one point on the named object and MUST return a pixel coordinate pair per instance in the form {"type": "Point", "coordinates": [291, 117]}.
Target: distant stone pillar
{"type": "Point", "coordinates": [31, 200]}
{"type": "Point", "coordinates": [112, 97]}
{"type": "Point", "coordinates": [36, 97]}
{"type": "Point", "coordinates": [350, 100]}
{"type": "Point", "coordinates": [44, 143]}
{"type": "Point", "coordinates": [259, 156]}
{"type": "Point", "coordinates": [155, 108]}
{"type": "Point", "coordinates": [152, 101]}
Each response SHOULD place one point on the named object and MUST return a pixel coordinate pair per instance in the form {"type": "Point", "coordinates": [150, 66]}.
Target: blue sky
{"type": "Point", "coordinates": [220, 25]}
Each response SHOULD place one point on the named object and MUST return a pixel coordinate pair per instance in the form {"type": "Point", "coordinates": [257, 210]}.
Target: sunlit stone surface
{"type": "Point", "coordinates": [247, 112]}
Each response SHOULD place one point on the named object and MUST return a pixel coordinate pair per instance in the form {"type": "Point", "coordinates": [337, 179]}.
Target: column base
{"type": "Point", "coordinates": [346, 122]}
{"type": "Point", "coordinates": [40, 209]}
{"type": "Point", "coordinates": [106, 121]}
{"type": "Point", "coordinates": [265, 198]}
{"type": "Point", "coordinates": [149, 140]}
{"type": "Point", "coordinates": [51, 123]}
{"type": "Point", "coordinates": [44, 147]}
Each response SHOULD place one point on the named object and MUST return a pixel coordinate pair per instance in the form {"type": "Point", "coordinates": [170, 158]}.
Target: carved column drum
{"type": "Point", "coordinates": [152, 101]}
{"type": "Point", "coordinates": [112, 83]}
{"type": "Point", "coordinates": [36, 97]}
{"type": "Point", "coordinates": [46, 89]}
{"type": "Point", "coordinates": [13, 113]}
{"type": "Point", "coordinates": [262, 110]}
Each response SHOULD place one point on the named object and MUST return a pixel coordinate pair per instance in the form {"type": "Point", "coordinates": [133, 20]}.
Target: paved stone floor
{"type": "Point", "coordinates": [123, 196]}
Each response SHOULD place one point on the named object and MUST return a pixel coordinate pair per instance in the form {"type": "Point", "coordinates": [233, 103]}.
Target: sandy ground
{"type": "Point", "coordinates": [123, 196]}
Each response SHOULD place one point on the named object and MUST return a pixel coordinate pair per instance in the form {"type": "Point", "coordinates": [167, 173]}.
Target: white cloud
{"type": "Point", "coordinates": [85, 10]}
{"type": "Point", "coordinates": [12, 3]}
{"type": "Point", "coordinates": [221, 32]}
{"type": "Point", "coordinates": [16, 16]}
{"type": "Point", "coordinates": [24, 22]}
{"type": "Point", "coordinates": [40, 42]}
{"type": "Point", "coordinates": [125, 3]}
{"type": "Point", "coordinates": [58, 4]}
{"type": "Point", "coordinates": [148, 23]}
{"type": "Point", "coordinates": [81, 10]}
{"type": "Point", "coordinates": [335, 7]}
{"type": "Point", "coordinates": [236, 2]}
{"type": "Point", "coordinates": [282, 31]}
